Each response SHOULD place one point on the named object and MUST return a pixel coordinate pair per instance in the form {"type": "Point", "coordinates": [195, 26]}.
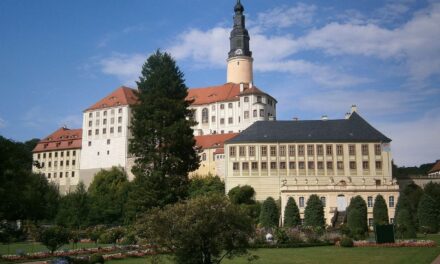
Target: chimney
{"type": "Point", "coordinates": [324, 118]}
{"type": "Point", "coordinates": [347, 115]}
{"type": "Point", "coordinates": [241, 87]}
{"type": "Point", "coordinates": [353, 108]}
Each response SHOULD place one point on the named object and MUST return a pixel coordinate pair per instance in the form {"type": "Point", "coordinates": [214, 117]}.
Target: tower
{"type": "Point", "coordinates": [240, 57]}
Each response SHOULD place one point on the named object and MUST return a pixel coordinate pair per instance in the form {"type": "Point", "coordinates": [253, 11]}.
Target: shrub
{"type": "Point", "coordinates": [269, 215]}
{"type": "Point", "coordinates": [404, 225]}
{"type": "Point", "coordinates": [96, 259]}
{"type": "Point", "coordinates": [54, 237]}
{"type": "Point", "coordinates": [242, 195]}
{"type": "Point", "coordinates": [357, 218]}
{"type": "Point", "coordinates": [346, 242]}
{"type": "Point", "coordinates": [281, 236]}
{"type": "Point", "coordinates": [291, 214]}
{"type": "Point", "coordinates": [112, 235]}
{"type": "Point", "coordinates": [380, 211]}
{"type": "Point", "coordinates": [314, 212]}
{"type": "Point", "coordinates": [427, 214]}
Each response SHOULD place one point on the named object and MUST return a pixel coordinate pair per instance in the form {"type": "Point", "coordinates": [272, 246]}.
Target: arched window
{"type": "Point", "coordinates": [205, 117]}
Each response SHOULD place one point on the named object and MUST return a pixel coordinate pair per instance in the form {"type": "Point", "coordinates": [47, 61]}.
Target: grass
{"type": "Point", "coordinates": [28, 247]}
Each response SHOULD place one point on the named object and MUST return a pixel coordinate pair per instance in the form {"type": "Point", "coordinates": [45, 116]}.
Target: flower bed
{"type": "Point", "coordinates": [399, 243]}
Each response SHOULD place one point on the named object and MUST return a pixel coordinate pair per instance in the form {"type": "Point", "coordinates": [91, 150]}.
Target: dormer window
{"type": "Point", "coordinates": [246, 99]}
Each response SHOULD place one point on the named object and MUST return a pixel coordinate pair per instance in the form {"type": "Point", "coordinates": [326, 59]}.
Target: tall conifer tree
{"type": "Point", "coordinates": [314, 212]}
{"type": "Point", "coordinates": [291, 214]}
{"type": "Point", "coordinates": [163, 141]}
{"type": "Point", "coordinates": [380, 211]}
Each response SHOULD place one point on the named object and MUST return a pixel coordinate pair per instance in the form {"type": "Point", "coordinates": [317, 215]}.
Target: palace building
{"type": "Point", "coordinates": [335, 159]}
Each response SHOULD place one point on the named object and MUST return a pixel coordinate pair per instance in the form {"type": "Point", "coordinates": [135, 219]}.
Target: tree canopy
{"type": "Point", "coordinates": [206, 186]}
{"type": "Point", "coordinates": [242, 195]}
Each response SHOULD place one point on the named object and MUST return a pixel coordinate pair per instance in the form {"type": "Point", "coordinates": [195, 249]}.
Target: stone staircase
{"type": "Point", "coordinates": [339, 219]}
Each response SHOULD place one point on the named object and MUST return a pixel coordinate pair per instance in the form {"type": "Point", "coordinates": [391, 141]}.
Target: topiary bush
{"type": "Point", "coordinates": [291, 214]}
{"type": "Point", "coordinates": [269, 214]}
{"type": "Point", "coordinates": [96, 259]}
{"type": "Point", "coordinates": [314, 213]}
{"type": "Point", "coordinates": [346, 242]}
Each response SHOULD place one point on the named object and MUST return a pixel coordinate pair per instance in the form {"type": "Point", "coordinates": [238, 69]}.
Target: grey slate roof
{"type": "Point", "coordinates": [354, 129]}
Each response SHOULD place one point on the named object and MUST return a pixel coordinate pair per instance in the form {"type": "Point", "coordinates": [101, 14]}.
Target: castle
{"type": "Point", "coordinates": [240, 141]}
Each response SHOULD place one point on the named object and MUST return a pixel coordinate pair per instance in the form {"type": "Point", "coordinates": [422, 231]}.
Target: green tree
{"type": "Point", "coordinates": [413, 192]}
{"type": "Point", "coordinates": [314, 212]}
{"type": "Point", "coordinates": [163, 141]}
{"type": "Point", "coordinates": [54, 237]}
{"type": "Point", "coordinates": [291, 214]}
{"type": "Point", "coordinates": [242, 195]}
{"type": "Point", "coordinates": [380, 211]}
{"type": "Point", "coordinates": [202, 230]}
{"type": "Point", "coordinates": [404, 219]}
{"type": "Point", "coordinates": [73, 211]}
{"type": "Point", "coordinates": [206, 186]}
{"type": "Point", "coordinates": [108, 195]}
{"type": "Point", "coordinates": [269, 214]}
{"type": "Point", "coordinates": [428, 214]}
{"type": "Point", "coordinates": [357, 217]}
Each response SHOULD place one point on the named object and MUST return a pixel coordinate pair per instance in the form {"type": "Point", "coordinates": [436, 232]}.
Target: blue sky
{"type": "Point", "coordinates": [316, 57]}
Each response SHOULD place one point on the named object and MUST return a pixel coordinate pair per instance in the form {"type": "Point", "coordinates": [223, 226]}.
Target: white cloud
{"type": "Point", "coordinates": [415, 142]}
{"type": "Point", "coordinates": [126, 68]}
{"type": "Point", "coordinates": [2, 123]}
{"type": "Point", "coordinates": [283, 17]}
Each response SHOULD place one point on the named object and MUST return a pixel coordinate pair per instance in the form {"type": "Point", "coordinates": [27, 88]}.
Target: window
{"type": "Point", "coordinates": [261, 112]}
{"type": "Point", "coordinates": [205, 115]}
{"type": "Point", "coordinates": [254, 165]}
{"type": "Point", "coordinates": [370, 201]}
{"type": "Point", "coordinates": [73, 174]}
{"type": "Point", "coordinates": [120, 119]}
{"type": "Point", "coordinates": [112, 130]}
{"type": "Point", "coordinates": [120, 110]}
{"type": "Point", "coordinates": [282, 150]}
{"type": "Point", "coordinates": [44, 155]}
{"type": "Point", "coordinates": [213, 107]}
{"type": "Point", "coordinates": [245, 166]}
{"type": "Point", "coordinates": [329, 165]}
{"type": "Point", "coordinates": [282, 165]}
{"type": "Point", "coordinates": [112, 120]}
{"type": "Point", "coordinates": [378, 182]}
{"type": "Point", "coordinates": [61, 175]}
{"type": "Point", "coordinates": [391, 220]}
{"type": "Point", "coordinates": [301, 150]}
{"type": "Point", "coordinates": [364, 149]}
{"type": "Point", "coordinates": [329, 149]}
{"type": "Point", "coordinates": [241, 151]}
{"type": "Point", "coordinates": [230, 120]}
{"type": "Point", "coordinates": [378, 165]}
{"type": "Point", "coordinates": [323, 201]}
{"type": "Point", "coordinates": [112, 112]}
{"type": "Point", "coordinates": [97, 153]}
{"type": "Point", "coordinates": [74, 153]}
{"type": "Point", "coordinates": [258, 99]}
{"type": "Point", "coordinates": [90, 115]}
{"type": "Point", "coordinates": [96, 131]}
{"type": "Point", "coordinates": [232, 151]}
{"type": "Point", "coordinates": [204, 156]}
{"type": "Point", "coordinates": [301, 165]}
{"type": "Point", "coordinates": [301, 201]}
{"type": "Point", "coordinates": [255, 113]}
{"type": "Point", "coordinates": [67, 174]}
{"type": "Point", "coordinates": [311, 165]}
{"type": "Point", "coordinates": [222, 121]}
{"type": "Point", "coordinates": [370, 222]}
{"type": "Point", "coordinates": [235, 166]}
{"type": "Point", "coordinates": [50, 155]}
{"type": "Point", "coordinates": [391, 201]}
{"type": "Point", "coordinates": [90, 143]}
{"type": "Point", "coordinates": [90, 123]}
{"type": "Point", "coordinates": [54, 174]}
{"type": "Point", "coordinates": [73, 162]}
{"type": "Point", "coordinates": [97, 114]}
{"type": "Point", "coordinates": [108, 152]}
{"type": "Point", "coordinates": [320, 165]}
{"type": "Point", "coordinates": [377, 149]}
{"type": "Point", "coordinates": [319, 150]}
{"type": "Point", "coordinates": [352, 165]}
{"type": "Point", "coordinates": [104, 121]}
{"type": "Point", "coordinates": [105, 113]}
{"type": "Point", "coordinates": [310, 150]}
{"type": "Point", "coordinates": [104, 131]}
{"type": "Point", "coordinates": [252, 151]}
{"type": "Point", "coordinates": [222, 106]}
{"type": "Point", "coordinates": [292, 165]}
{"type": "Point", "coordinates": [365, 165]}
{"type": "Point", "coordinates": [97, 122]}
{"type": "Point", "coordinates": [48, 175]}
{"type": "Point", "coordinates": [339, 150]}
{"type": "Point", "coordinates": [273, 151]}
{"type": "Point", "coordinates": [273, 165]}
{"type": "Point", "coordinates": [246, 114]}
{"type": "Point", "coordinates": [246, 99]}
{"type": "Point", "coordinates": [291, 150]}
{"type": "Point", "coordinates": [49, 164]}
{"type": "Point", "coordinates": [67, 162]}
{"type": "Point", "coordinates": [340, 165]}
{"type": "Point", "coordinates": [67, 153]}
{"type": "Point", "coordinates": [352, 150]}
{"type": "Point", "coordinates": [119, 129]}
{"type": "Point", "coordinates": [108, 141]}
{"type": "Point", "coordinates": [230, 105]}
{"type": "Point", "coordinates": [56, 154]}
{"type": "Point", "coordinates": [213, 119]}
{"type": "Point", "coordinates": [263, 151]}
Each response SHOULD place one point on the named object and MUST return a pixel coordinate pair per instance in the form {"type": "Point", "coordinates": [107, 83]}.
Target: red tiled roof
{"type": "Point", "coordinates": [436, 167]}
{"type": "Point", "coordinates": [225, 92]}
{"type": "Point", "coordinates": [61, 139]}
{"type": "Point", "coordinates": [213, 141]}
{"type": "Point", "coordinates": [121, 96]}
{"type": "Point", "coordinates": [219, 151]}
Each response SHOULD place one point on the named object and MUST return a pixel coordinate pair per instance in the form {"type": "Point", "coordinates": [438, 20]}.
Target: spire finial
{"type": "Point", "coordinates": [239, 7]}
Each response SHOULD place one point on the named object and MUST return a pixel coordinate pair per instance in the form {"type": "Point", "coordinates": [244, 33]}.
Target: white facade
{"type": "Point", "coordinates": [105, 141]}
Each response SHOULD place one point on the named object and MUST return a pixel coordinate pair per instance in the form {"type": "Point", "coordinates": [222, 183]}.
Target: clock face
{"type": "Point", "coordinates": [239, 52]}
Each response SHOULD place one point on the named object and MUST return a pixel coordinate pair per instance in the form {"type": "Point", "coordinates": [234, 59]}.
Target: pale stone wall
{"type": "Point", "coordinates": [240, 70]}
{"type": "Point", "coordinates": [61, 167]}
{"type": "Point", "coordinates": [207, 163]}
